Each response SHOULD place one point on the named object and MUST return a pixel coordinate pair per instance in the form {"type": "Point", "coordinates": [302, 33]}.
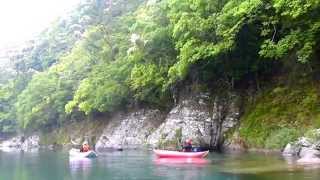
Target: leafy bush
{"type": "Point", "coordinates": [276, 110]}
{"type": "Point", "coordinates": [280, 138]}
{"type": "Point", "coordinates": [313, 135]}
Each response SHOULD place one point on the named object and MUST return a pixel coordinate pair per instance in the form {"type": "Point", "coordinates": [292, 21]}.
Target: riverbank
{"type": "Point", "coordinates": [230, 121]}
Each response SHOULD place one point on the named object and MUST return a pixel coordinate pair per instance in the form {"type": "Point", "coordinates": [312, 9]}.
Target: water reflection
{"type": "Point", "coordinates": [294, 165]}
{"type": "Point", "coordinates": [80, 167]}
{"type": "Point", "coordinates": [179, 168]}
{"type": "Point", "coordinates": [181, 161]}
{"type": "Point", "coordinates": [136, 165]}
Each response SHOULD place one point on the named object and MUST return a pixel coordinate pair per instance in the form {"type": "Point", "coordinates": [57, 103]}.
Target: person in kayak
{"type": "Point", "coordinates": [187, 146]}
{"type": "Point", "coordinates": [85, 147]}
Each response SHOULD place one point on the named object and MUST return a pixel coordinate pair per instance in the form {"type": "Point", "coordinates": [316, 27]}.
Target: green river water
{"type": "Point", "coordinates": [140, 165]}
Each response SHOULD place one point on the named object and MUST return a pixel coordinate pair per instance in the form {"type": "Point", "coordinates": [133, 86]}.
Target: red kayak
{"type": "Point", "coordinates": [177, 154]}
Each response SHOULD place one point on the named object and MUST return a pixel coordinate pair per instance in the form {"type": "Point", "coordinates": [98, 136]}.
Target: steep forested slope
{"type": "Point", "coordinates": [116, 54]}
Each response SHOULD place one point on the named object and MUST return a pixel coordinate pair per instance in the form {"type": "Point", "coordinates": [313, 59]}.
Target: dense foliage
{"type": "Point", "coordinates": [111, 54]}
{"type": "Point", "coordinates": [280, 115]}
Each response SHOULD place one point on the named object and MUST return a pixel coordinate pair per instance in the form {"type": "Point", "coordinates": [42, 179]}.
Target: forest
{"type": "Point", "coordinates": [116, 54]}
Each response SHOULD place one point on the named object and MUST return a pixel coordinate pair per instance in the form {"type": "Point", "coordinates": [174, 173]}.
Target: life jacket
{"type": "Point", "coordinates": [187, 147]}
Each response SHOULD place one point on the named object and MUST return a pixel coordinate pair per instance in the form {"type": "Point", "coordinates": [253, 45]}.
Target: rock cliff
{"type": "Point", "coordinates": [199, 117]}
{"type": "Point", "coordinates": [203, 117]}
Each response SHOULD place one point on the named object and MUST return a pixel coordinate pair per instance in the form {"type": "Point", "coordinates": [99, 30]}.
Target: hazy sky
{"type": "Point", "coordinates": [22, 19]}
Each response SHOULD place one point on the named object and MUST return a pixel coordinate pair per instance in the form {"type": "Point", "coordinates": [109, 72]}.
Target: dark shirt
{"type": "Point", "coordinates": [187, 147]}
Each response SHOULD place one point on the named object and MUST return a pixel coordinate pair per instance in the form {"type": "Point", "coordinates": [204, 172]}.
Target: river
{"type": "Point", "coordinates": [142, 165]}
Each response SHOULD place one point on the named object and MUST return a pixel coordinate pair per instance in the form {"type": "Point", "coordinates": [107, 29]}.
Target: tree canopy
{"type": "Point", "coordinates": [111, 54]}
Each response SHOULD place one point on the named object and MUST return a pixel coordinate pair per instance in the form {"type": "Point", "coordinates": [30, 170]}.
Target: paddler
{"type": "Point", "coordinates": [85, 147]}
{"type": "Point", "coordinates": [187, 145]}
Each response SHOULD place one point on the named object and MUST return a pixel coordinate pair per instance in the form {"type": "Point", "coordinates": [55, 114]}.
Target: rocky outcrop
{"type": "Point", "coordinates": [21, 143]}
{"type": "Point", "coordinates": [202, 117]}
{"type": "Point", "coordinates": [309, 156]}
{"type": "Point", "coordinates": [225, 116]}
{"type": "Point", "coordinates": [290, 150]}
{"type": "Point", "coordinates": [130, 130]}
{"type": "Point", "coordinates": [198, 118]}
{"type": "Point", "coordinates": [309, 152]}
{"type": "Point", "coordinates": [307, 148]}
{"type": "Point", "coordinates": [14, 142]}
{"type": "Point", "coordinates": [31, 143]}
{"type": "Point", "coordinates": [189, 119]}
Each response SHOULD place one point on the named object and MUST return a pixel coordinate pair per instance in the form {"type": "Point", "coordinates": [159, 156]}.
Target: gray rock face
{"type": "Point", "coordinates": [290, 150]}
{"type": "Point", "coordinates": [225, 115]}
{"type": "Point", "coordinates": [14, 142]}
{"type": "Point", "coordinates": [316, 145]}
{"type": "Point", "coordinates": [200, 117]}
{"type": "Point", "coordinates": [307, 148]}
{"type": "Point", "coordinates": [129, 131]}
{"type": "Point", "coordinates": [20, 143]}
{"type": "Point", "coordinates": [197, 119]}
{"type": "Point", "coordinates": [304, 142]}
{"type": "Point", "coordinates": [189, 119]}
{"type": "Point", "coordinates": [309, 156]}
{"type": "Point", "coordinates": [308, 152]}
{"type": "Point", "coordinates": [295, 148]}
{"type": "Point", "coordinates": [194, 117]}
{"type": "Point", "coordinates": [31, 143]}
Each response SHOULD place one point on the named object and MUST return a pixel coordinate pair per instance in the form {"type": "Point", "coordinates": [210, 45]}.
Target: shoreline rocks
{"type": "Point", "coordinates": [129, 131]}
{"type": "Point", "coordinates": [306, 148]}
{"type": "Point", "coordinates": [30, 143]}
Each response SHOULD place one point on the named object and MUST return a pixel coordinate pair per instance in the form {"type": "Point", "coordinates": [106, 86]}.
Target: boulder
{"type": "Point", "coordinates": [290, 150]}
{"type": "Point", "coordinates": [316, 145]}
{"type": "Point", "coordinates": [309, 156]}
{"type": "Point", "coordinates": [31, 143]}
{"type": "Point", "coordinates": [308, 152]}
{"type": "Point", "coordinates": [304, 142]}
